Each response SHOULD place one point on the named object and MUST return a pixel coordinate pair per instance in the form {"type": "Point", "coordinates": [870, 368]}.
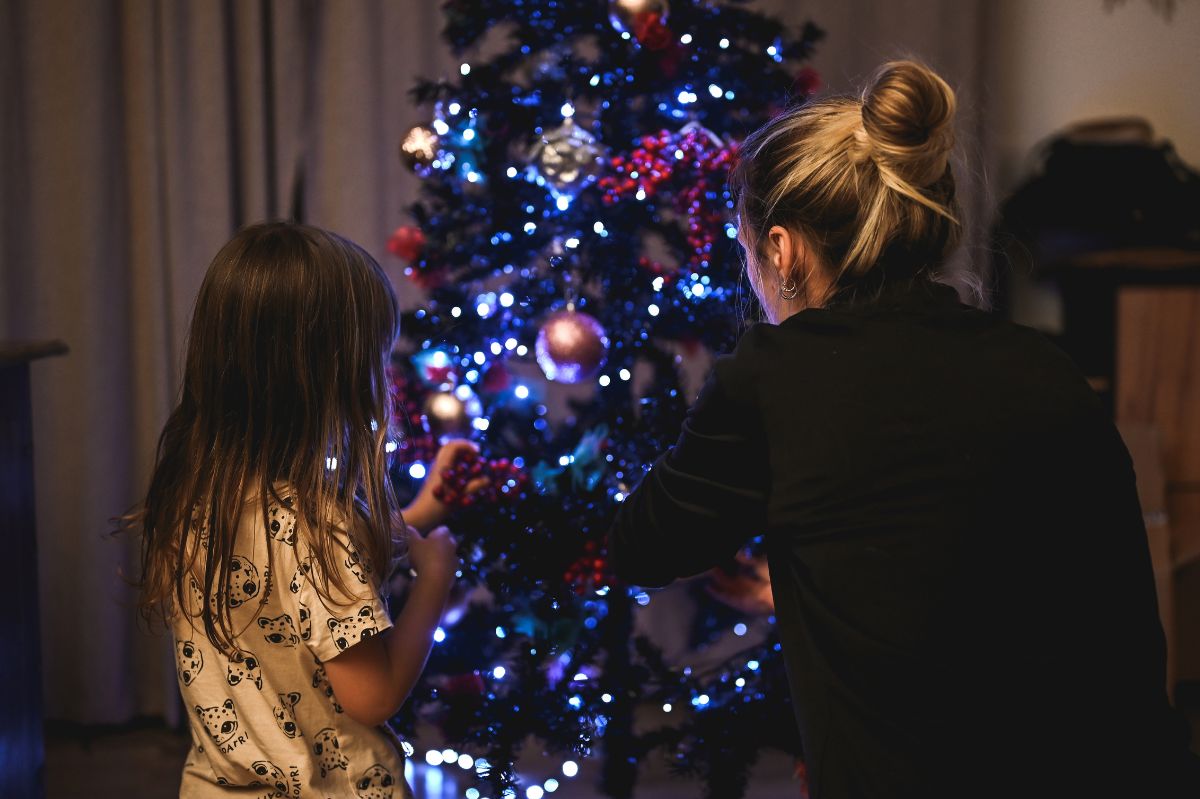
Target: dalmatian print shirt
{"type": "Point", "coordinates": [264, 720]}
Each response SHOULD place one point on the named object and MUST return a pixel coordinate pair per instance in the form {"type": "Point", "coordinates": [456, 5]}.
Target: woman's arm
{"type": "Point", "coordinates": [705, 496]}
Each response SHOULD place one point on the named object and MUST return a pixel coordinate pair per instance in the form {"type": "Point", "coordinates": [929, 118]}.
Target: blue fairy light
{"type": "Point", "coordinates": [521, 392]}
{"type": "Point", "coordinates": [439, 635]}
{"type": "Point", "coordinates": [465, 69]}
{"type": "Point", "coordinates": [723, 44]}
{"type": "Point", "coordinates": [567, 110]}
{"type": "Point", "coordinates": [468, 134]}
{"type": "Point", "coordinates": [499, 671]}
{"type": "Point", "coordinates": [440, 127]}
{"type": "Point", "coordinates": [753, 665]}
{"type": "Point", "coordinates": [500, 633]}
{"type": "Point", "coordinates": [739, 629]}
{"type": "Point", "coordinates": [417, 471]}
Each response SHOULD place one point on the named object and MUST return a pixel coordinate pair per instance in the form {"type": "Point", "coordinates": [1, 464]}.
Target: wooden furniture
{"type": "Point", "coordinates": [21, 749]}
{"type": "Point", "coordinates": [1145, 447]}
{"type": "Point", "coordinates": [1158, 385]}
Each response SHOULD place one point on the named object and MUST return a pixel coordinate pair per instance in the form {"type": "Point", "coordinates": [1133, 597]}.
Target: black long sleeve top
{"type": "Point", "coordinates": [961, 575]}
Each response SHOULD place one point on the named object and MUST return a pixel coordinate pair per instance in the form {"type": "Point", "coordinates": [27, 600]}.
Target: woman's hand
{"type": "Point", "coordinates": [426, 510]}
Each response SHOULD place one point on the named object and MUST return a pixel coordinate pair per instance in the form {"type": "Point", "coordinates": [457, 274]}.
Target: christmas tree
{"type": "Point", "coordinates": [575, 241]}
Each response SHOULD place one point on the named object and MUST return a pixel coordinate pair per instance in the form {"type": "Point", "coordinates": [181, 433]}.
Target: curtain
{"type": "Point", "coordinates": [135, 137]}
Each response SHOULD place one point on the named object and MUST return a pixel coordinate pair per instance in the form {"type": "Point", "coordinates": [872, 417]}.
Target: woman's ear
{"type": "Point", "coordinates": [786, 251]}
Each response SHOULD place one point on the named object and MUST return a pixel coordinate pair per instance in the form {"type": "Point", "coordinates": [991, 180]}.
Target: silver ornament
{"type": "Point", "coordinates": [568, 157]}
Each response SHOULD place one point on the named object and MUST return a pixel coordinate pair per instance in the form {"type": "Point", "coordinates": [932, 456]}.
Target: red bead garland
{"type": "Point", "coordinates": [505, 481]}
{"type": "Point", "coordinates": [591, 570]}
{"type": "Point", "coordinates": [417, 443]}
{"type": "Point", "coordinates": [689, 157]}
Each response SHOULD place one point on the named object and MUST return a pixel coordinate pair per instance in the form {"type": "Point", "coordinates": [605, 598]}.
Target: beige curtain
{"type": "Point", "coordinates": [135, 137]}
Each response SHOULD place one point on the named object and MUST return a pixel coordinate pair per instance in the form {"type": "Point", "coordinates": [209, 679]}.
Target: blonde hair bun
{"type": "Point", "coordinates": [908, 118]}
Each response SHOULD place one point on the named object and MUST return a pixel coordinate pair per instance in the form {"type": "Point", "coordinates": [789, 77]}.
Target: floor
{"type": "Point", "coordinates": [143, 760]}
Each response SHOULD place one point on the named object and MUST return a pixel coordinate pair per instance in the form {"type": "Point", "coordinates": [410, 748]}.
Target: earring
{"type": "Point", "coordinates": [789, 290]}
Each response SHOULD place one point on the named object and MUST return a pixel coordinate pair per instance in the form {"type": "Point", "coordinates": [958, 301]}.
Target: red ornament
{"type": "Point", "coordinates": [496, 378]}
{"type": "Point", "coordinates": [807, 82]}
{"type": "Point", "coordinates": [464, 685]}
{"type": "Point", "coordinates": [651, 31]}
{"type": "Point", "coordinates": [407, 242]}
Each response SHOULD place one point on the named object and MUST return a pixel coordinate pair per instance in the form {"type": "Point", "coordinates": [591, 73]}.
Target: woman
{"type": "Point", "coordinates": [959, 564]}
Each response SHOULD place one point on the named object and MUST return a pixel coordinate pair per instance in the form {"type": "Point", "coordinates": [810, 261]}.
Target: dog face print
{"type": "Point", "coordinates": [190, 661]}
{"type": "Point", "coordinates": [355, 564]}
{"type": "Point", "coordinates": [302, 574]}
{"type": "Point", "coordinates": [197, 596]}
{"type": "Point", "coordinates": [243, 581]}
{"type": "Point", "coordinates": [375, 783]}
{"type": "Point", "coordinates": [328, 751]}
{"type": "Point", "coordinates": [220, 721]}
{"type": "Point", "coordinates": [352, 629]}
{"type": "Point", "coordinates": [272, 775]}
{"type": "Point", "coordinates": [243, 668]}
{"type": "Point", "coordinates": [305, 622]}
{"type": "Point", "coordinates": [285, 714]}
{"type": "Point", "coordinates": [279, 630]}
{"type": "Point", "coordinates": [321, 682]}
{"type": "Point", "coordinates": [281, 521]}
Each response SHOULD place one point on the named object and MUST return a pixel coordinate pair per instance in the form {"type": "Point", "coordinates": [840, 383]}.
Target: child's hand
{"type": "Point", "coordinates": [427, 510]}
{"type": "Point", "coordinates": [434, 557]}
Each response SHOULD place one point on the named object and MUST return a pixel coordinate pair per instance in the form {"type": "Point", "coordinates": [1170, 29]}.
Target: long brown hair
{"type": "Point", "coordinates": [285, 384]}
{"type": "Point", "coordinates": [867, 180]}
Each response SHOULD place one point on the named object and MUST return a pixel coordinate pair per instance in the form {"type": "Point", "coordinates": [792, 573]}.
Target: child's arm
{"type": "Point", "coordinates": [372, 678]}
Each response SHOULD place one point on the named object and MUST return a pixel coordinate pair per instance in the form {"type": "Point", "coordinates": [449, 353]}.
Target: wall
{"type": "Point", "coordinates": [1053, 63]}
{"type": "Point", "coordinates": [1049, 64]}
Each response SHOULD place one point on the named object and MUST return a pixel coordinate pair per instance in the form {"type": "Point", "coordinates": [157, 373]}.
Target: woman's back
{"type": "Point", "coordinates": [957, 550]}
{"type": "Point", "coordinates": [957, 554]}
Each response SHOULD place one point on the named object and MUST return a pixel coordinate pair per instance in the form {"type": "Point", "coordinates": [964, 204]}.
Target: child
{"type": "Point", "coordinates": [270, 524]}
